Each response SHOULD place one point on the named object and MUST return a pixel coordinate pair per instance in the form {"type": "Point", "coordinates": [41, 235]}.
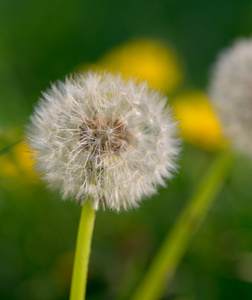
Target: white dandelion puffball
{"type": "Point", "coordinates": [231, 93]}
{"type": "Point", "coordinates": [98, 137]}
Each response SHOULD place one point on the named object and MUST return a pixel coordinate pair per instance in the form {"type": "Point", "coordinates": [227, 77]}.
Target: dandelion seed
{"type": "Point", "coordinates": [231, 93]}
{"type": "Point", "coordinates": [98, 137]}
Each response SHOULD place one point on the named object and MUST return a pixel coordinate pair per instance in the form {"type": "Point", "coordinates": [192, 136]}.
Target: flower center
{"type": "Point", "coordinates": [103, 136]}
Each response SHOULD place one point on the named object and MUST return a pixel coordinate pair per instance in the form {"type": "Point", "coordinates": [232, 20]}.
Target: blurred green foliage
{"type": "Point", "coordinates": [42, 41]}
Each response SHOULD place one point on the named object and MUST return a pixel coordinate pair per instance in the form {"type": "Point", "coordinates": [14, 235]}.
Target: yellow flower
{"type": "Point", "coordinates": [145, 59]}
{"type": "Point", "coordinates": [198, 123]}
{"type": "Point", "coordinates": [8, 168]}
{"type": "Point", "coordinates": [17, 165]}
{"type": "Point", "coordinates": [22, 155]}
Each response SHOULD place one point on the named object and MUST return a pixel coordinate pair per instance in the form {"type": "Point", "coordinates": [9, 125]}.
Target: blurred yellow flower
{"type": "Point", "coordinates": [17, 165]}
{"type": "Point", "coordinates": [22, 155]}
{"type": "Point", "coordinates": [8, 168]}
{"type": "Point", "coordinates": [198, 123]}
{"type": "Point", "coordinates": [145, 59]}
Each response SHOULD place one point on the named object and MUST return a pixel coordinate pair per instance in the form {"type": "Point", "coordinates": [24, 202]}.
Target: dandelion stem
{"type": "Point", "coordinates": [82, 252]}
{"type": "Point", "coordinates": [175, 244]}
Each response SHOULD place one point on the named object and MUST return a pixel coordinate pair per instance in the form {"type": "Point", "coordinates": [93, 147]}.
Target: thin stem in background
{"type": "Point", "coordinates": [8, 148]}
{"type": "Point", "coordinates": [82, 252]}
{"type": "Point", "coordinates": [161, 271]}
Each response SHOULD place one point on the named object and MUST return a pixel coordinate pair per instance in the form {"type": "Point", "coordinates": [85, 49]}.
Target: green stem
{"type": "Point", "coordinates": [82, 252]}
{"type": "Point", "coordinates": [175, 244]}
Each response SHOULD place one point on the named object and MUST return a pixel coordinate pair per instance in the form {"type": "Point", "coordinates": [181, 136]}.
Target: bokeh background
{"type": "Point", "coordinates": [172, 45]}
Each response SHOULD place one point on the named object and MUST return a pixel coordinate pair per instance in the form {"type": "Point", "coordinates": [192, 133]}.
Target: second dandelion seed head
{"type": "Point", "coordinates": [231, 93]}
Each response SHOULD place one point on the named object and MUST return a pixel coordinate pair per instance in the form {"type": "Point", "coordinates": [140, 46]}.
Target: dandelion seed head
{"type": "Point", "coordinates": [231, 93]}
{"type": "Point", "coordinates": [99, 137]}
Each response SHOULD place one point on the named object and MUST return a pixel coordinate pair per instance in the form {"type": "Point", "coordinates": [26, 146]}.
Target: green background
{"type": "Point", "coordinates": [42, 41]}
